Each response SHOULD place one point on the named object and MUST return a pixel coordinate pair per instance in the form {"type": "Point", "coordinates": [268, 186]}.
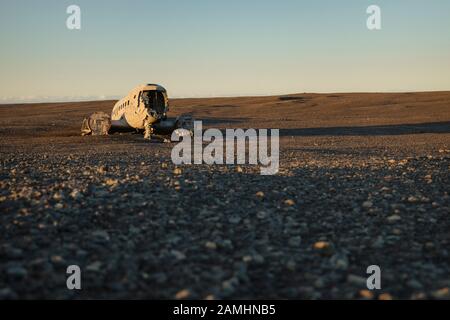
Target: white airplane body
{"type": "Point", "coordinates": [144, 108]}
{"type": "Point", "coordinates": [134, 111]}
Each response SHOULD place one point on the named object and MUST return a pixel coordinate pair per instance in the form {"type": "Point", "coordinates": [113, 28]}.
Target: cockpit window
{"type": "Point", "coordinates": [154, 100]}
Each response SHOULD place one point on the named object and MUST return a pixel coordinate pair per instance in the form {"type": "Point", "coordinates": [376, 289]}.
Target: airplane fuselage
{"type": "Point", "coordinates": [144, 104]}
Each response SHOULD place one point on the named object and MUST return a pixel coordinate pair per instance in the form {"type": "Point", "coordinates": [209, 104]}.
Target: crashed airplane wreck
{"type": "Point", "coordinates": [143, 109]}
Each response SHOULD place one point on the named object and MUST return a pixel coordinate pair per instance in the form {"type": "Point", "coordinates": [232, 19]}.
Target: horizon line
{"type": "Point", "coordinates": [56, 99]}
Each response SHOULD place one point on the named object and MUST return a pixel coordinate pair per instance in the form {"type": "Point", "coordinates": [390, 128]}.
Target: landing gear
{"type": "Point", "coordinates": [148, 130]}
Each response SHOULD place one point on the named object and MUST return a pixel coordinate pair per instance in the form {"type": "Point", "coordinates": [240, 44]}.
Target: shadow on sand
{"type": "Point", "coordinates": [397, 129]}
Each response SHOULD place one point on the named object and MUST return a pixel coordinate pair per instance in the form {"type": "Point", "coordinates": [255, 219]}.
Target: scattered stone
{"type": "Point", "coordinates": [94, 267]}
{"type": "Point", "coordinates": [112, 182]}
{"type": "Point", "coordinates": [443, 293]}
{"type": "Point", "coordinates": [320, 245]}
{"type": "Point", "coordinates": [102, 169]}
{"type": "Point", "coordinates": [414, 284]}
{"type": "Point", "coordinates": [356, 280]}
{"type": "Point", "coordinates": [261, 215]}
{"type": "Point", "coordinates": [289, 202]}
{"type": "Point", "coordinates": [367, 204]}
{"type": "Point", "coordinates": [385, 296]}
{"type": "Point", "coordinates": [178, 254]}
{"type": "Point", "coordinates": [291, 265]}
{"type": "Point", "coordinates": [16, 272]}
{"type": "Point", "coordinates": [182, 294]}
{"type": "Point", "coordinates": [366, 294]}
{"type": "Point", "coordinates": [295, 241]}
{"type": "Point", "coordinates": [101, 235]}
{"type": "Point", "coordinates": [7, 294]}
{"type": "Point", "coordinates": [211, 245]}
{"type": "Point", "coordinates": [394, 218]}
{"type": "Point", "coordinates": [339, 261]}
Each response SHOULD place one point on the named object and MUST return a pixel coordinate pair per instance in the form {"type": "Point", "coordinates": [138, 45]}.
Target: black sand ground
{"type": "Point", "coordinates": [364, 180]}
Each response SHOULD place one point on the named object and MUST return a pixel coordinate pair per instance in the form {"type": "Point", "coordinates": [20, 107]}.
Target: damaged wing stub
{"type": "Point", "coordinates": [96, 124]}
{"type": "Point", "coordinates": [181, 125]}
{"type": "Point", "coordinates": [184, 126]}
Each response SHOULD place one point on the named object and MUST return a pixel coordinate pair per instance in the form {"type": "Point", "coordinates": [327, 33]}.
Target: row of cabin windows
{"type": "Point", "coordinates": [123, 105]}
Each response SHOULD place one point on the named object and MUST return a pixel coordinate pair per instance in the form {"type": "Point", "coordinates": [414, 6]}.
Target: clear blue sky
{"type": "Point", "coordinates": [221, 48]}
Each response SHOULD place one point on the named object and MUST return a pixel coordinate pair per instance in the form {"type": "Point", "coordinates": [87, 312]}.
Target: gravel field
{"type": "Point", "coordinates": [364, 180]}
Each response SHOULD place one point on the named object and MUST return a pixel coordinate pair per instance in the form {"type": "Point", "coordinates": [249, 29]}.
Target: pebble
{"type": "Point", "coordinates": [211, 245]}
{"type": "Point", "coordinates": [94, 267]}
{"type": "Point", "coordinates": [356, 280]}
{"type": "Point", "coordinates": [367, 204]}
{"type": "Point", "coordinates": [385, 296]}
{"type": "Point", "coordinates": [394, 218]}
{"type": "Point", "coordinates": [320, 245]}
{"type": "Point", "coordinates": [16, 272]}
{"type": "Point", "coordinates": [289, 202]}
{"type": "Point", "coordinates": [7, 294]}
{"type": "Point", "coordinates": [182, 294]}
{"type": "Point", "coordinates": [366, 294]}
{"type": "Point", "coordinates": [178, 254]}
{"type": "Point", "coordinates": [295, 241]}
{"type": "Point", "coordinates": [443, 293]}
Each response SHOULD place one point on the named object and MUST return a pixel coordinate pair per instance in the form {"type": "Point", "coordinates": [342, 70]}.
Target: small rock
{"type": "Point", "coordinates": [75, 194]}
{"type": "Point", "coordinates": [367, 204]}
{"type": "Point", "coordinates": [13, 253]}
{"type": "Point", "coordinates": [320, 245]}
{"type": "Point", "coordinates": [211, 245]}
{"type": "Point", "coordinates": [94, 267]}
{"type": "Point", "coordinates": [259, 259]}
{"type": "Point", "coordinates": [16, 272]}
{"type": "Point", "coordinates": [394, 218]}
{"type": "Point", "coordinates": [101, 235]}
{"type": "Point", "coordinates": [414, 284]}
{"type": "Point", "coordinates": [366, 294]}
{"type": "Point", "coordinates": [291, 265]}
{"type": "Point", "coordinates": [102, 169]}
{"type": "Point", "coordinates": [160, 277]}
{"type": "Point", "coordinates": [112, 182]}
{"type": "Point", "coordinates": [7, 294]}
{"type": "Point", "coordinates": [235, 219]}
{"type": "Point", "coordinates": [385, 296]}
{"type": "Point", "coordinates": [261, 215]}
{"type": "Point", "coordinates": [289, 202]}
{"type": "Point", "coordinates": [295, 241]}
{"type": "Point", "coordinates": [177, 171]}
{"type": "Point", "coordinates": [178, 254]}
{"type": "Point", "coordinates": [443, 293]}
{"type": "Point", "coordinates": [182, 294]}
{"type": "Point", "coordinates": [356, 280]}
{"type": "Point", "coordinates": [57, 260]}
{"type": "Point", "coordinates": [339, 261]}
